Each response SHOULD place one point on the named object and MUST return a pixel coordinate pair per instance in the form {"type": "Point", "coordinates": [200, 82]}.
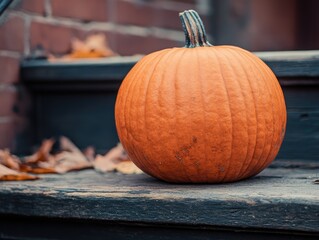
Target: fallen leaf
{"type": "Point", "coordinates": [71, 158]}
{"type": "Point", "coordinates": [7, 174]}
{"type": "Point", "coordinates": [94, 46]}
{"type": "Point", "coordinates": [41, 162]}
{"type": "Point", "coordinates": [108, 162]}
{"type": "Point", "coordinates": [89, 153]}
{"type": "Point", "coordinates": [9, 160]}
{"type": "Point", "coordinates": [128, 167]}
{"type": "Point", "coordinates": [39, 168]}
{"type": "Point", "coordinates": [105, 164]}
{"type": "Point", "coordinates": [115, 160]}
{"type": "Point", "coordinates": [43, 153]}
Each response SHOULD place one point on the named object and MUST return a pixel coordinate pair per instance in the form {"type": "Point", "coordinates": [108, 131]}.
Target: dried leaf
{"type": "Point", "coordinates": [115, 160]}
{"type": "Point", "coordinates": [89, 153]}
{"type": "Point", "coordinates": [41, 162]}
{"type": "Point", "coordinates": [43, 153]}
{"type": "Point", "coordinates": [9, 160]}
{"type": "Point", "coordinates": [94, 46]}
{"type": "Point", "coordinates": [128, 167]}
{"type": "Point", "coordinates": [70, 161]}
{"type": "Point", "coordinates": [40, 168]}
{"type": "Point", "coordinates": [108, 162]}
{"type": "Point", "coordinates": [67, 145]}
{"type": "Point", "coordinates": [71, 158]}
{"type": "Point", "coordinates": [105, 164]}
{"type": "Point", "coordinates": [7, 174]}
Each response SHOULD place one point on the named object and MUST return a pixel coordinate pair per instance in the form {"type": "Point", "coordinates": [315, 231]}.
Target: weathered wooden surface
{"type": "Point", "coordinates": [302, 135]}
{"type": "Point", "coordinates": [282, 198]}
{"type": "Point", "coordinates": [292, 64]}
{"type": "Point", "coordinates": [38, 72]}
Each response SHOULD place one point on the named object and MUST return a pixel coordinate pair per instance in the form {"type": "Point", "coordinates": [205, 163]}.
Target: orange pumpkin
{"type": "Point", "coordinates": [201, 113]}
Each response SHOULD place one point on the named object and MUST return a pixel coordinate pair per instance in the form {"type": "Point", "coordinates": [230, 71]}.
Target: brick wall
{"type": "Point", "coordinates": [131, 27]}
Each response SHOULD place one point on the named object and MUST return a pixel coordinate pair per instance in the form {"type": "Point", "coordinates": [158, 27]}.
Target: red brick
{"type": "Point", "coordinates": [149, 15]}
{"type": "Point", "coordinates": [12, 34]}
{"type": "Point", "coordinates": [178, 4]}
{"type": "Point", "coordinates": [167, 19]}
{"type": "Point", "coordinates": [129, 44]}
{"type": "Point", "coordinates": [9, 69]}
{"type": "Point", "coordinates": [53, 38]}
{"type": "Point", "coordinates": [88, 10]}
{"type": "Point", "coordinates": [36, 6]}
{"type": "Point", "coordinates": [134, 13]}
{"type": "Point", "coordinates": [276, 32]}
{"type": "Point", "coordinates": [185, 1]}
{"type": "Point", "coordinates": [7, 134]}
{"type": "Point", "coordinates": [161, 43]}
{"type": "Point", "coordinates": [7, 102]}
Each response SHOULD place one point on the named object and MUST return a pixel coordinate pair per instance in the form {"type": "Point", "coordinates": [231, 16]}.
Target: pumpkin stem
{"type": "Point", "coordinates": [195, 34]}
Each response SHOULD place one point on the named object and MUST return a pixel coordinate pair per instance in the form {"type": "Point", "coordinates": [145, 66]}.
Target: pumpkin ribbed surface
{"type": "Point", "coordinates": [204, 114]}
